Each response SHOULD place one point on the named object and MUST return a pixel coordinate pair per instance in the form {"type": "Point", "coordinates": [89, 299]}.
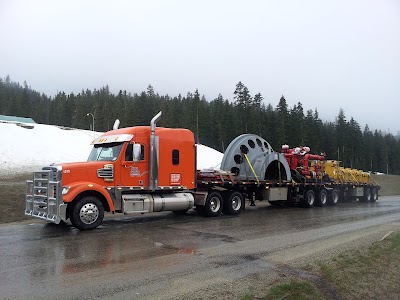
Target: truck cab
{"type": "Point", "coordinates": [129, 170]}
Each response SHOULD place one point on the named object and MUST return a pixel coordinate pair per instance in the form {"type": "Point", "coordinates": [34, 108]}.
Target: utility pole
{"type": "Point", "coordinates": [90, 114]}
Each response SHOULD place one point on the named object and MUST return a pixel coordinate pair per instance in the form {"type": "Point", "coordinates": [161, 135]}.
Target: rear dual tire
{"type": "Point", "coordinates": [322, 198]}
{"type": "Point", "coordinates": [370, 195]}
{"type": "Point", "coordinates": [233, 203]}
{"type": "Point", "coordinates": [367, 195]}
{"type": "Point", "coordinates": [374, 195]}
{"type": "Point", "coordinates": [230, 203]}
{"type": "Point", "coordinates": [309, 199]}
{"type": "Point", "coordinates": [334, 197]}
{"type": "Point", "coordinates": [213, 206]}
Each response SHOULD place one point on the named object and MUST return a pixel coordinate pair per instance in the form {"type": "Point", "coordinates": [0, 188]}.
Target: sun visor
{"type": "Point", "coordinates": [112, 139]}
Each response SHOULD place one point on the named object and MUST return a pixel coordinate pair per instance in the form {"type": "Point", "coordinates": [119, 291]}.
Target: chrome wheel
{"type": "Point", "coordinates": [374, 195]}
{"type": "Point", "coordinates": [86, 213]}
{"type": "Point", "coordinates": [236, 203]}
{"type": "Point", "coordinates": [309, 198]}
{"type": "Point", "coordinates": [367, 195]}
{"type": "Point", "coordinates": [215, 204]}
{"type": "Point", "coordinates": [335, 197]}
{"type": "Point", "coordinates": [323, 197]}
{"type": "Point", "coordinates": [89, 213]}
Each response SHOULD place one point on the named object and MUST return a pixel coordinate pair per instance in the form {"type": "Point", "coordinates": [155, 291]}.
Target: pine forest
{"type": "Point", "coordinates": [214, 122]}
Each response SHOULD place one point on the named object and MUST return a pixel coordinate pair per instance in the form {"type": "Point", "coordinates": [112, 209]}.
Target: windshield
{"type": "Point", "coordinates": [108, 152]}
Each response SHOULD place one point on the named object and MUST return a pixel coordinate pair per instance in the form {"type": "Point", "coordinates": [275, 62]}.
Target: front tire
{"type": "Point", "coordinates": [87, 213]}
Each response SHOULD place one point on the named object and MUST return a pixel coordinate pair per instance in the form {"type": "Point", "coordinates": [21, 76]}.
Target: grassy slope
{"type": "Point", "coordinates": [372, 273]}
{"type": "Point", "coordinates": [12, 198]}
{"type": "Point", "coordinates": [390, 184]}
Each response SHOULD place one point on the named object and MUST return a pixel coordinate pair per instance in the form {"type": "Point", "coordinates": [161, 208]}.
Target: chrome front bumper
{"type": "Point", "coordinates": [43, 197]}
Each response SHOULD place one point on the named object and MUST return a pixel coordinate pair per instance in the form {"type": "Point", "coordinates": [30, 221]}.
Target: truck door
{"type": "Point", "coordinates": [134, 174]}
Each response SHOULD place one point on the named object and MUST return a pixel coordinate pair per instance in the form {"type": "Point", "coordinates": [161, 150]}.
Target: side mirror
{"type": "Point", "coordinates": [136, 152]}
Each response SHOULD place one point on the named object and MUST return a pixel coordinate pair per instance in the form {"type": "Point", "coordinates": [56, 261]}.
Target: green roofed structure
{"type": "Point", "coordinates": [13, 119]}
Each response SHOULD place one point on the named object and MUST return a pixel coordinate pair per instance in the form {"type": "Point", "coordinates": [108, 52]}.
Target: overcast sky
{"type": "Point", "coordinates": [325, 54]}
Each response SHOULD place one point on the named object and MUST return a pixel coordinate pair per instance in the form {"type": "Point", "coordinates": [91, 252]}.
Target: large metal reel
{"type": "Point", "coordinates": [267, 164]}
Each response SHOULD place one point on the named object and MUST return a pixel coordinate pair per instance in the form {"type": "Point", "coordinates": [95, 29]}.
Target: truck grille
{"type": "Point", "coordinates": [56, 173]}
{"type": "Point", "coordinates": [43, 195]}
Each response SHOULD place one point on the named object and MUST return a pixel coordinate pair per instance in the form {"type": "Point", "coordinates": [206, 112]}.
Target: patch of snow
{"type": "Point", "coordinates": [208, 158]}
{"type": "Point", "coordinates": [23, 149]}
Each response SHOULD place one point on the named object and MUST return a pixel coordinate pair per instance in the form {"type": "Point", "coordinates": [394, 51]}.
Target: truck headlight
{"type": "Point", "coordinates": [65, 189]}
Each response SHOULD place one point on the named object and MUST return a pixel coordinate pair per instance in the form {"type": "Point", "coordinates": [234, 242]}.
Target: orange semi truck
{"type": "Point", "coordinates": [151, 169]}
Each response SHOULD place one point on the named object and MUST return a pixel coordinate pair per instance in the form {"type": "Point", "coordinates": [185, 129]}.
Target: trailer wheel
{"type": "Point", "coordinates": [233, 203]}
{"type": "Point", "coordinates": [322, 197]}
{"type": "Point", "coordinates": [309, 199]}
{"type": "Point", "coordinates": [374, 195]}
{"type": "Point", "coordinates": [367, 195]}
{"type": "Point", "coordinates": [87, 213]}
{"type": "Point", "coordinates": [334, 197]}
{"type": "Point", "coordinates": [214, 205]}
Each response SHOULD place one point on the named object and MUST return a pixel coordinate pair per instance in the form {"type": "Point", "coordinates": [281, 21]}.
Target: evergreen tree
{"type": "Point", "coordinates": [317, 145]}
{"type": "Point", "coordinates": [256, 113]}
{"type": "Point", "coordinates": [243, 102]}
{"type": "Point", "coordinates": [354, 143]}
{"type": "Point", "coordinates": [342, 137]}
{"type": "Point", "coordinates": [269, 123]}
{"type": "Point", "coordinates": [296, 125]}
{"type": "Point", "coordinates": [282, 121]}
{"type": "Point", "coordinates": [150, 91]}
{"type": "Point", "coordinates": [367, 149]}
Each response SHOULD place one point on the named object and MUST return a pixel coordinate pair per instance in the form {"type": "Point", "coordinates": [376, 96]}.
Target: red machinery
{"type": "Point", "coordinates": [299, 160]}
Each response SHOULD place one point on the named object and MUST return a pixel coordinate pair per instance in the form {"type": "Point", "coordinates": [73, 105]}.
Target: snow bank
{"type": "Point", "coordinates": [208, 158]}
{"type": "Point", "coordinates": [25, 150]}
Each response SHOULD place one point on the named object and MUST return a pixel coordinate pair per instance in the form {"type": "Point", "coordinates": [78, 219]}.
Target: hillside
{"type": "Point", "coordinates": [390, 184]}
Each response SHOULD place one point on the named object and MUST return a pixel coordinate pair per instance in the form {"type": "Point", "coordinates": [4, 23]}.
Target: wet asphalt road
{"type": "Point", "coordinates": [163, 256]}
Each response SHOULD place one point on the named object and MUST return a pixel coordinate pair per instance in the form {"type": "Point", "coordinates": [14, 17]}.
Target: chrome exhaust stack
{"type": "Point", "coordinates": [153, 182]}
